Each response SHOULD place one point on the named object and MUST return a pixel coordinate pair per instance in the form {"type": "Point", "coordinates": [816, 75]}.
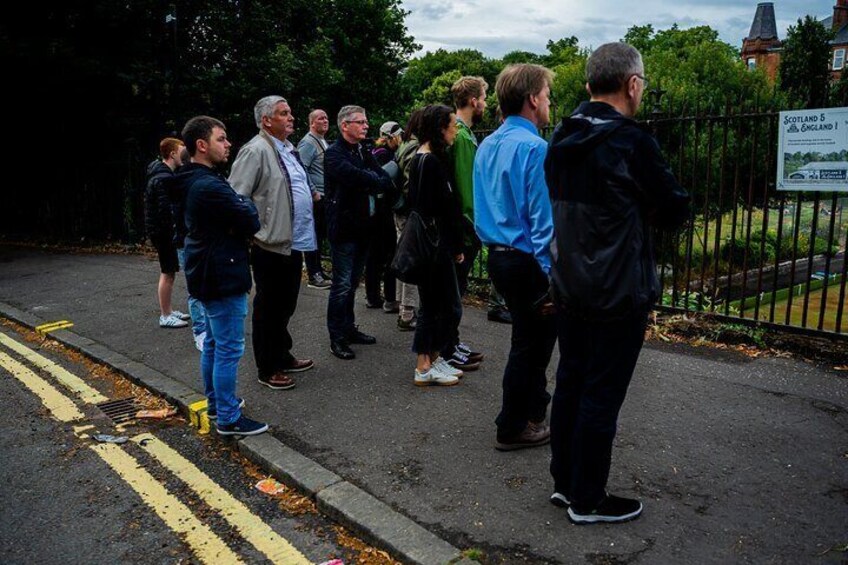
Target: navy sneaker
{"type": "Point", "coordinates": [244, 426]}
{"type": "Point", "coordinates": [212, 412]}
{"type": "Point", "coordinates": [611, 510]}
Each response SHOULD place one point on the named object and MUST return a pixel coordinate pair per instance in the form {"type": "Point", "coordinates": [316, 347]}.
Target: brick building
{"type": "Point", "coordinates": [762, 47]}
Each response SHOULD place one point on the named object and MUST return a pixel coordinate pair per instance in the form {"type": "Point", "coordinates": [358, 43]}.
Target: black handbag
{"type": "Point", "coordinates": [416, 247]}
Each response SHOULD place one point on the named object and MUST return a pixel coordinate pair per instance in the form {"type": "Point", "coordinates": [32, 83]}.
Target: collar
{"type": "Point", "coordinates": [521, 122]}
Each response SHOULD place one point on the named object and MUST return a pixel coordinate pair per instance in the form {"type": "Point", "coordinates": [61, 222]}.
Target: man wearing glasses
{"type": "Point", "coordinates": [352, 179]}
{"type": "Point", "coordinates": [609, 186]}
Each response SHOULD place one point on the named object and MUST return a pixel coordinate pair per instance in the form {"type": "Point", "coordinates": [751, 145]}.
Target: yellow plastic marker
{"type": "Point", "coordinates": [276, 548]}
{"type": "Point", "coordinates": [62, 407]}
{"type": "Point", "coordinates": [53, 326]}
{"type": "Point", "coordinates": [67, 379]}
{"type": "Point", "coordinates": [197, 416]}
{"type": "Point", "coordinates": [207, 546]}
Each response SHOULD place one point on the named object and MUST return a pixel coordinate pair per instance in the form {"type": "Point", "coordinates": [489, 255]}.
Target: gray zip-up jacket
{"type": "Point", "coordinates": [258, 174]}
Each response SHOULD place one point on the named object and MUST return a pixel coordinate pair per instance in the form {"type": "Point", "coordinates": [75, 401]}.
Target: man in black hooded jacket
{"type": "Point", "coordinates": [609, 185]}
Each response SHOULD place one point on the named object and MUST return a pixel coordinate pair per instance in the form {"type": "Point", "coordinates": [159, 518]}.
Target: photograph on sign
{"type": "Point", "coordinates": [813, 150]}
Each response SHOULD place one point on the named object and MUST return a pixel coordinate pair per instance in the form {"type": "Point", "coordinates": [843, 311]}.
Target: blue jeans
{"type": "Point", "coordinates": [348, 263]}
{"type": "Point", "coordinates": [222, 350]}
{"type": "Point", "coordinates": [195, 307]}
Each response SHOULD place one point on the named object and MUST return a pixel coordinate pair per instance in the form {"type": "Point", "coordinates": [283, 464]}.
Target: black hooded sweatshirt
{"type": "Point", "coordinates": [609, 184]}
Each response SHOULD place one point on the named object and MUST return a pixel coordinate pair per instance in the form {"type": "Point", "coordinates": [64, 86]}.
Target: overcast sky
{"type": "Point", "coordinates": [496, 27]}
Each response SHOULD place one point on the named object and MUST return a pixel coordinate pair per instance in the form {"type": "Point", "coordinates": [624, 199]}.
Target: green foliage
{"type": "Point", "coordinates": [439, 91]}
{"type": "Point", "coordinates": [694, 67]}
{"type": "Point", "coordinates": [804, 63]}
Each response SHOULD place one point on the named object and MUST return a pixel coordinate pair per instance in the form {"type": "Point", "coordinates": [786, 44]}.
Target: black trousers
{"type": "Point", "coordinates": [277, 279]}
{"type": "Point", "coordinates": [521, 281]}
{"type": "Point", "coordinates": [597, 359]}
{"type": "Point", "coordinates": [313, 258]}
{"type": "Point", "coordinates": [439, 308]}
{"type": "Point", "coordinates": [382, 242]}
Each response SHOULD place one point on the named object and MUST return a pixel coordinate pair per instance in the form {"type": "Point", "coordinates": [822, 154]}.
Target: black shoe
{"type": "Point", "coordinates": [406, 325]}
{"type": "Point", "coordinates": [374, 304]}
{"type": "Point", "coordinates": [612, 509]}
{"type": "Point", "coordinates": [357, 336]}
{"type": "Point", "coordinates": [502, 316]}
{"type": "Point", "coordinates": [342, 350]}
{"type": "Point", "coordinates": [559, 499]}
{"type": "Point", "coordinates": [319, 282]}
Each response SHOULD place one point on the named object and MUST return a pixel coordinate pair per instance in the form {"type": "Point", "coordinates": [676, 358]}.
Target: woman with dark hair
{"type": "Point", "coordinates": [432, 196]}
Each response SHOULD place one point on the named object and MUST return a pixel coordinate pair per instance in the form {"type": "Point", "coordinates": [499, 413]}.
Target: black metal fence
{"type": "Point", "coordinates": [749, 253]}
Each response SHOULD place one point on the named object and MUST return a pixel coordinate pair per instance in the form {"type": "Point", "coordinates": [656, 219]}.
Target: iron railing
{"type": "Point", "coordinates": [749, 253]}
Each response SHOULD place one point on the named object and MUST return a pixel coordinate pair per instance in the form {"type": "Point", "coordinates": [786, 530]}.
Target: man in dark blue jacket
{"type": "Point", "coordinates": [352, 180]}
{"type": "Point", "coordinates": [220, 224]}
{"type": "Point", "coordinates": [609, 186]}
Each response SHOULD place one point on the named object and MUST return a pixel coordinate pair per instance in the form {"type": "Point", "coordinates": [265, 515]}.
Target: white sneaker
{"type": "Point", "coordinates": [180, 315]}
{"type": "Point", "coordinates": [445, 368]}
{"type": "Point", "coordinates": [171, 321]}
{"type": "Point", "coordinates": [434, 378]}
{"type": "Point", "coordinates": [198, 341]}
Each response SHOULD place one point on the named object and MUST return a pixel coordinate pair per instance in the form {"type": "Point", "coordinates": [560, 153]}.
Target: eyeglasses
{"type": "Point", "coordinates": [360, 122]}
{"type": "Point", "coordinates": [645, 82]}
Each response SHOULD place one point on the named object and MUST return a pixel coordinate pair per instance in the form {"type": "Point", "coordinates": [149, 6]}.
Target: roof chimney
{"type": "Point", "coordinates": [764, 26]}
{"type": "Point", "coordinates": [840, 15]}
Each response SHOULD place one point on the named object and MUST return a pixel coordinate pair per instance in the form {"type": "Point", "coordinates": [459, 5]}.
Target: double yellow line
{"type": "Point", "coordinates": [204, 543]}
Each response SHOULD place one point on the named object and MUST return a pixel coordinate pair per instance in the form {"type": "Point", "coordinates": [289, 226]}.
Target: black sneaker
{"type": "Point", "coordinates": [559, 499]}
{"type": "Point", "coordinates": [212, 412]}
{"type": "Point", "coordinates": [319, 282]}
{"type": "Point", "coordinates": [611, 510]}
{"type": "Point", "coordinates": [244, 426]}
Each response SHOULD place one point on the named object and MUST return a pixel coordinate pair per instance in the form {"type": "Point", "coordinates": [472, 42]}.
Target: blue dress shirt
{"type": "Point", "coordinates": [511, 202]}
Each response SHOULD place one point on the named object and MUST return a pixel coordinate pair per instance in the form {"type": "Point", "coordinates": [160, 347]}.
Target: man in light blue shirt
{"type": "Point", "coordinates": [512, 217]}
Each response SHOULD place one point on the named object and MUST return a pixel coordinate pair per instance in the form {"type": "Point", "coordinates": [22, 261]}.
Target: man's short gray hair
{"type": "Point", "coordinates": [265, 107]}
{"type": "Point", "coordinates": [346, 112]}
{"type": "Point", "coordinates": [610, 65]}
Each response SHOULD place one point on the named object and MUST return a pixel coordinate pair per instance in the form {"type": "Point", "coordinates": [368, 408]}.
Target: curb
{"type": "Point", "coordinates": [344, 502]}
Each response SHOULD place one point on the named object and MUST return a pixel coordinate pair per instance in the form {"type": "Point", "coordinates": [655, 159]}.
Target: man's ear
{"type": "Point", "coordinates": [588, 90]}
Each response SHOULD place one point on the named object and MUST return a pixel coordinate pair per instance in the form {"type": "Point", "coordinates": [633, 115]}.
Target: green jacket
{"type": "Point", "coordinates": [462, 157]}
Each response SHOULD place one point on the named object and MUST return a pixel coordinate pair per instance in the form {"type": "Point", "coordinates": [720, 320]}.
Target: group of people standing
{"type": "Point", "coordinates": [566, 225]}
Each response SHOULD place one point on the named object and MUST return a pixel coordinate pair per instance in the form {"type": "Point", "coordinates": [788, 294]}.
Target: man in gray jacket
{"type": "Point", "coordinates": [268, 170]}
{"type": "Point", "coordinates": [311, 149]}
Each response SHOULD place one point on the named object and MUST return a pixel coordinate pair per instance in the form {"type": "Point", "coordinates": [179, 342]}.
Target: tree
{"type": "Point", "coordinates": [804, 63]}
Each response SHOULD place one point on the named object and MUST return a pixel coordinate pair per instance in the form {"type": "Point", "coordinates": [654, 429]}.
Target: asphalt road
{"type": "Point", "coordinates": [61, 502]}
{"type": "Point", "coordinates": [736, 459]}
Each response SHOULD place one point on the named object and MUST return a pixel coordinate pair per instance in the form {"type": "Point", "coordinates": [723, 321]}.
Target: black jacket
{"type": "Point", "coordinates": [351, 175]}
{"type": "Point", "coordinates": [220, 226]}
{"type": "Point", "coordinates": [609, 183]}
{"type": "Point", "coordinates": [158, 220]}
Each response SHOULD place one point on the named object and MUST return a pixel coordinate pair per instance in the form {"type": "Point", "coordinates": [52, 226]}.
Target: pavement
{"type": "Point", "coordinates": [736, 460]}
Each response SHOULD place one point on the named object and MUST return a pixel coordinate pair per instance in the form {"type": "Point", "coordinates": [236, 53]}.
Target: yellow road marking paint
{"type": "Point", "coordinates": [250, 526]}
{"type": "Point", "coordinates": [207, 546]}
{"type": "Point", "coordinates": [69, 380]}
{"type": "Point", "coordinates": [53, 326]}
{"type": "Point", "coordinates": [62, 407]}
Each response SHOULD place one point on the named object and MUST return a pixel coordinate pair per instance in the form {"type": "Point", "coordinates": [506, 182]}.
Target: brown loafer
{"type": "Point", "coordinates": [299, 365]}
{"type": "Point", "coordinates": [533, 435]}
{"type": "Point", "coordinates": [278, 381]}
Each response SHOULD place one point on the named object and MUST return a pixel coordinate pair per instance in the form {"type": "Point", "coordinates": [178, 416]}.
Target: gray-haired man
{"type": "Point", "coordinates": [609, 185]}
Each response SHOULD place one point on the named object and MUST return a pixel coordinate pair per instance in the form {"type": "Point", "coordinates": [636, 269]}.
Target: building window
{"type": "Point", "coordinates": [838, 59]}
{"type": "Point", "coordinates": [752, 63]}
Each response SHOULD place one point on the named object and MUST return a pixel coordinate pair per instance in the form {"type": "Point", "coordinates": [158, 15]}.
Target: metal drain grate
{"type": "Point", "coordinates": [119, 410]}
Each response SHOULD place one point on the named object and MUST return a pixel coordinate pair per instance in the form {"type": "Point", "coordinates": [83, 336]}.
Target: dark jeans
{"type": "Point", "coordinates": [439, 309]}
{"type": "Point", "coordinates": [381, 249]}
{"type": "Point", "coordinates": [521, 281]}
{"type": "Point", "coordinates": [277, 279]}
{"type": "Point", "coordinates": [313, 258]}
{"type": "Point", "coordinates": [597, 360]}
{"type": "Point", "coordinates": [348, 263]}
